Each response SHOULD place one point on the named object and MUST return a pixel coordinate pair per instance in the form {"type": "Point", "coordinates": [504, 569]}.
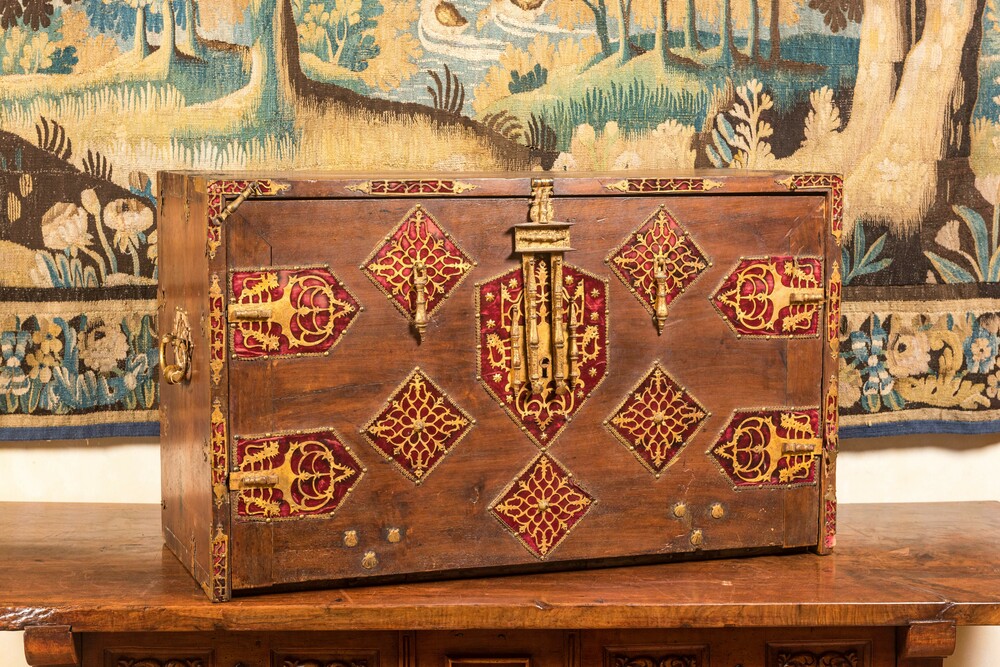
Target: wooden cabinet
{"type": "Point", "coordinates": [423, 377]}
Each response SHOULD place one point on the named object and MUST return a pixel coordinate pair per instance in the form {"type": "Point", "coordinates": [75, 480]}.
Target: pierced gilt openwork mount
{"type": "Point", "coordinates": [770, 447]}
{"type": "Point", "coordinates": [418, 426]}
{"type": "Point", "coordinates": [417, 266]}
{"type": "Point", "coordinates": [542, 505]}
{"type": "Point", "coordinates": [543, 328]}
{"type": "Point", "coordinates": [281, 312]}
{"type": "Point", "coordinates": [657, 262]}
{"type": "Point", "coordinates": [657, 419]}
{"type": "Point", "coordinates": [778, 296]}
{"type": "Point", "coordinates": [292, 475]}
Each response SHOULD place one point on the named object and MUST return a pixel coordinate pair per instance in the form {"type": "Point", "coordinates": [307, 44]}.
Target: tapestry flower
{"type": "Point", "coordinates": [64, 227]}
{"type": "Point", "coordinates": [909, 353]}
{"type": "Point", "coordinates": [129, 218]}
{"type": "Point", "coordinates": [47, 338]}
{"type": "Point", "coordinates": [980, 349]}
{"type": "Point", "coordinates": [849, 389]}
{"type": "Point", "coordinates": [102, 347]}
{"type": "Point", "coordinates": [868, 354]}
{"type": "Point", "coordinates": [993, 385]}
{"type": "Point", "coordinates": [41, 366]}
{"type": "Point", "coordinates": [13, 379]}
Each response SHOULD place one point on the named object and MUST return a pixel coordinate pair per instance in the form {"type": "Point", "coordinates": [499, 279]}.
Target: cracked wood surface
{"type": "Point", "coordinates": [103, 568]}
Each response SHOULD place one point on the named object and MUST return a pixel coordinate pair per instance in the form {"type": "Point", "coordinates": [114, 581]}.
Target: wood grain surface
{"type": "Point", "coordinates": [103, 568]}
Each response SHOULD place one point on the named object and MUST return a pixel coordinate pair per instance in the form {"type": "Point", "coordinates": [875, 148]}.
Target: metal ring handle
{"type": "Point", "coordinates": [174, 373]}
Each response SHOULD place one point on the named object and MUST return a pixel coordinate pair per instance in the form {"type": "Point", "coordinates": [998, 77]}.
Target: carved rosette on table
{"type": "Point", "coordinates": [292, 475]}
{"type": "Point", "coordinates": [281, 312]}
{"type": "Point", "coordinates": [770, 447]}
{"type": "Point", "coordinates": [657, 262]}
{"type": "Point", "coordinates": [540, 409]}
{"type": "Point", "coordinates": [679, 659]}
{"type": "Point", "coordinates": [848, 658]}
{"type": "Point", "coordinates": [289, 661]}
{"type": "Point", "coordinates": [413, 188]}
{"type": "Point", "coordinates": [417, 266]}
{"type": "Point", "coordinates": [542, 505]}
{"type": "Point", "coordinates": [417, 427]}
{"type": "Point", "coordinates": [656, 419]}
{"type": "Point", "coordinates": [678, 185]}
{"type": "Point", "coordinates": [831, 182]}
{"type": "Point", "coordinates": [160, 662]}
{"type": "Point", "coordinates": [768, 297]}
{"type": "Point", "coordinates": [218, 210]}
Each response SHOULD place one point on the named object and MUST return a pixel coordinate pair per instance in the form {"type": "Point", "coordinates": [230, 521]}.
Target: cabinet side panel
{"type": "Point", "coordinates": [185, 407]}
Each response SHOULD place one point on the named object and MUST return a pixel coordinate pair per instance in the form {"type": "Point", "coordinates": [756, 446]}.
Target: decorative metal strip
{"type": "Point", "coordinates": [830, 465]}
{"type": "Point", "coordinates": [500, 322]}
{"type": "Point", "coordinates": [288, 311]}
{"type": "Point", "coordinates": [770, 447]}
{"type": "Point", "coordinates": [831, 182]}
{"type": "Point", "coordinates": [219, 453]}
{"type": "Point", "coordinates": [218, 191]}
{"type": "Point", "coordinates": [657, 262]}
{"type": "Point", "coordinates": [417, 266]}
{"type": "Point", "coordinates": [772, 297]}
{"type": "Point", "coordinates": [293, 475]}
{"type": "Point", "coordinates": [418, 425]}
{"type": "Point", "coordinates": [636, 185]}
{"type": "Point", "coordinates": [219, 585]}
{"type": "Point", "coordinates": [216, 330]}
{"type": "Point", "coordinates": [542, 505]}
{"type": "Point", "coordinates": [656, 419]}
{"type": "Point", "coordinates": [411, 188]}
{"type": "Point", "coordinates": [833, 297]}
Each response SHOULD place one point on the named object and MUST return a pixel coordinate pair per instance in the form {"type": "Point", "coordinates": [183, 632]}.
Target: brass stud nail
{"type": "Point", "coordinates": [680, 509]}
{"type": "Point", "coordinates": [350, 538]}
{"type": "Point", "coordinates": [394, 535]}
{"type": "Point", "coordinates": [369, 560]}
{"type": "Point", "coordinates": [696, 537]}
{"type": "Point", "coordinates": [718, 511]}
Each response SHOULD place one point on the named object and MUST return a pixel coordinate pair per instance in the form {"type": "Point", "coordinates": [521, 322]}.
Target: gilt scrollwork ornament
{"type": "Point", "coordinates": [772, 297]}
{"type": "Point", "coordinates": [292, 475]}
{"type": "Point", "coordinates": [219, 582]}
{"type": "Point", "coordinates": [417, 266]}
{"type": "Point", "coordinates": [542, 505]}
{"type": "Point", "coordinates": [281, 312]}
{"type": "Point", "coordinates": [657, 262]}
{"type": "Point", "coordinates": [219, 453]}
{"type": "Point", "coordinates": [417, 426]}
{"type": "Point", "coordinates": [656, 419]}
{"type": "Point", "coordinates": [672, 185]}
{"type": "Point", "coordinates": [216, 330]}
{"type": "Point", "coordinates": [771, 447]}
{"type": "Point", "coordinates": [411, 187]}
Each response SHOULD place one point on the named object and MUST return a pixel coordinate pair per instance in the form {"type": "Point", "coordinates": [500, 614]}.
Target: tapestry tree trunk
{"type": "Point", "coordinates": [753, 34]}
{"type": "Point", "coordinates": [775, 32]}
{"type": "Point", "coordinates": [624, 29]}
{"type": "Point", "coordinates": [726, 34]}
{"type": "Point", "coordinates": [141, 46]}
{"type": "Point", "coordinates": [661, 44]}
{"type": "Point", "coordinates": [691, 27]}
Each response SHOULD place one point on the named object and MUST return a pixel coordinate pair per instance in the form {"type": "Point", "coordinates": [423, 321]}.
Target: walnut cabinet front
{"type": "Point", "coordinates": [374, 376]}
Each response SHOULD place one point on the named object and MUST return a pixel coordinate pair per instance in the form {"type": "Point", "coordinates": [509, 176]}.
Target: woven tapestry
{"type": "Point", "coordinates": [900, 96]}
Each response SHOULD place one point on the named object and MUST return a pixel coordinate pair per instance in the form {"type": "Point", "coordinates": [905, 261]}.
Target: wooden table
{"type": "Point", "coordinates": [93, 585]}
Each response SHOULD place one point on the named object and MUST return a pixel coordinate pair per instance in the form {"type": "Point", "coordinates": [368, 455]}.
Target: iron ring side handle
{"type": "Point", "coordinates": [180, 371]}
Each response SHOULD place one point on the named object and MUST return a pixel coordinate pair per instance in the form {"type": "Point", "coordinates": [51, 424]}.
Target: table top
{"type": "Point", "coordinates": [103, 568]}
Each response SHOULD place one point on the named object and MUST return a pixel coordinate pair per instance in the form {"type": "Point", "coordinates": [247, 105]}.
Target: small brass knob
{"type": "Point", "coordinates": [680, 509]}
{"type": "Point", "coordinates": [696, 537]}
{"type": "Point", "coordinates": [370, 560]}
{"type": "Point", "coordinates": [718, 511]}
{"type": "Point", "coordinates": [350, 538]}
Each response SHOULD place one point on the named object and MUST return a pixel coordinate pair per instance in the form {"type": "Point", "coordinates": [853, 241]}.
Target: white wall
{"type": "Point", "coordinates": [903, 469]}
